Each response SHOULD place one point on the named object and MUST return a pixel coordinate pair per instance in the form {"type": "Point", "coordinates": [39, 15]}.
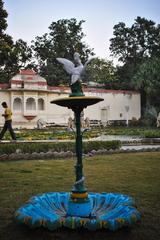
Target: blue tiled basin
{"type": "Point", "coordinates": [49, 210]}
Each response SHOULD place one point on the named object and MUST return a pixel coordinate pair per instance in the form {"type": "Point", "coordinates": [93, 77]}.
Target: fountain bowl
{"type": "Point", "coordinates": [50, 210]}
{"type": "Point", "coordinates": [77, 102]}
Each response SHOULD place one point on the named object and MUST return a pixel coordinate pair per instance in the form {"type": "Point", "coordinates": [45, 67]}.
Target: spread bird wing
{"type": "Point", "coordinates": [85, 65]}
{"type": "Point", "coordinates": [67, 65]}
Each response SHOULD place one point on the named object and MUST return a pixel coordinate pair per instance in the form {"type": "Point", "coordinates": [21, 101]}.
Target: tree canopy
{"type": "Point", "coordinates": [101, 71]}
{"type": "Point", "coordinates": [6, 43]}
{"type": "Point", "coordinates": [64, 38]}
{"type": "Point", "coordinates": [147, 80]}
{"type": "Point", "coordinates": [138, 49]}
{"type": "Point", "coordinates": [132, 44]}
{"type": "Point", "coordinates": [13, 56]}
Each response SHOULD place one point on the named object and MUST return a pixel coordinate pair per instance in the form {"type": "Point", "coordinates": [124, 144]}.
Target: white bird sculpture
{"type": "Point", "coordinates": [76, 69]}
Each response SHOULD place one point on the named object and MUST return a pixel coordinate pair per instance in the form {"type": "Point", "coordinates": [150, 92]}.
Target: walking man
{"type": "Point", "coordinates": [8, 122]}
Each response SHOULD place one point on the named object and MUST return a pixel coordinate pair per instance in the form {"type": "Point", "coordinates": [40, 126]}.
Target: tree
{"type": "Point", "coordinates": [3, 16]}
{"type": "Point", "coordinates": [6, 42]}
{"type": "Point", "coordinates": [132, 45]}
{"type": "Point", "coordinates": [139, 41]}
{"type": "Point", "coordinates": [147, 80]}
{"type": "Point", "coordinates": [125, 74]}
{"type": "Point", "coordinates": [21, 54]}
{"type": "Point", "coordinates": [64, 38]}
{"type": "Point", "coordinates": [13, 56]}
{"type": "Point", "coordinates": [101, 71]}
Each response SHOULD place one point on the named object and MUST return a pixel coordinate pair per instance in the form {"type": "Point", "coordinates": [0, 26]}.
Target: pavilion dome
{"type": "Point", "coordinates": [28, 79]}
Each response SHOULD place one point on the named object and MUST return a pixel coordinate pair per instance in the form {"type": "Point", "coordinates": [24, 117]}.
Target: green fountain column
{"type": "Point", "coordinates": [79, 203]}
{"type": "Point", "coordinates": [79, 184]}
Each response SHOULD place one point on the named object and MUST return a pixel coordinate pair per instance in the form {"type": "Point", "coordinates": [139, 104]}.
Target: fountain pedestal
{"type": "Point", "coordinates": [77, 209]}
{"type": "Point", "coordinates": [79, 204]}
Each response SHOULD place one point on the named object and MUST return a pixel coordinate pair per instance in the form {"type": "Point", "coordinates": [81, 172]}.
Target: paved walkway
{"type": "Point", "coordinates": [139, 147]}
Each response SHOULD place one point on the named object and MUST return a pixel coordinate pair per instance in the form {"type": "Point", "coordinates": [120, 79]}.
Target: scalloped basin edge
{"type": "Point", "coordinates": [49, 210]}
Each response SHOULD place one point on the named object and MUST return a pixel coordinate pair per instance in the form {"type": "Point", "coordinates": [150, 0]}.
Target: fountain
{"type": "Point", "coordinates": [78, 208]}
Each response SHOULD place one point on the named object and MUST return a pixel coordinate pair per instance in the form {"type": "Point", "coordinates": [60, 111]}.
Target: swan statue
{"type": "Point", "coordinates": [76, 70]}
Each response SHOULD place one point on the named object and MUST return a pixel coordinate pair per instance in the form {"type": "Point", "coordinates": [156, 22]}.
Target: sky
{"type": "Point", "coordinates": [30, 18]}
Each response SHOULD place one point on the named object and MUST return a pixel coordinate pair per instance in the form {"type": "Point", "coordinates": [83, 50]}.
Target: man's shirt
{"type": "Point", "coordinates": [8, 112]}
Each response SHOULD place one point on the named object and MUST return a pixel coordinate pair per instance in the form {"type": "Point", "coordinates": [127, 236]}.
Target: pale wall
{"type": "Point", "coordinates": [114, 105]}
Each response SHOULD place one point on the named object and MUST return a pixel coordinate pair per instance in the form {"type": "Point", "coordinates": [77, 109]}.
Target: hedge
{"type": "Point", "coordinates": [30, 147]}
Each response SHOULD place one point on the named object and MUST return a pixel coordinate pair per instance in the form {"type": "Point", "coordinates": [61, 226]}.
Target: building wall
{"type": "Point", "coordinates": [117, 105]}
{"type": "Point", "coordinates": [57, 113]}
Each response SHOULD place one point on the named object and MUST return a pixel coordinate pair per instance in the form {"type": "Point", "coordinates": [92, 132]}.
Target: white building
{"type": "Point", "coordinates": [29, 97]}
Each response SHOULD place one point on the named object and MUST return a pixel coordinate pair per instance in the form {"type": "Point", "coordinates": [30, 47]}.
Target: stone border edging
{"type": "Point", "coordinates": [62, 155]}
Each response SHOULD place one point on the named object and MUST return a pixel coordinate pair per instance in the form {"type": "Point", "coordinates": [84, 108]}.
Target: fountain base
{"type": "Point", "coordinates": [55, 210]}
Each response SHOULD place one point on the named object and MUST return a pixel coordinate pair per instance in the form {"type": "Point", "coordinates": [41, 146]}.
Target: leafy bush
{"type": "Point", "coordinates": [97, 145]}
{"type": "Point", "coordinates": [152, 134]}
{"type": "Point", "coordinates": [119, 123]}
{"type": "Point", "coordinates": [57, 146]}
{"type": "Point", "coordinates": [150, 116]}
{"type": "Point", "coordinates": [132, 131]}
{"type": "Point", "coordinates": [134, 122]}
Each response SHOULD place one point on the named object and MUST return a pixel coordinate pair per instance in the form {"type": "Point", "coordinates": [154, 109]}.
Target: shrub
{"type": "Point", "coordinates": [150, 116]}
{"type": "Point", "coordinates": [57, 146]}
{"type": "Point", "coordinates": [152, 134]}
{"type": "Point", "coordinates": [134, 122]}
{"type": "Point", "coordinates": [97, 145]}
{"type": "Point", "coordinates": [119, 123]}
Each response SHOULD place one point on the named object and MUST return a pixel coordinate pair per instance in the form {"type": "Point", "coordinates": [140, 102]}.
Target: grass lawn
{"type": "Point", "coordinates": [135, 174]}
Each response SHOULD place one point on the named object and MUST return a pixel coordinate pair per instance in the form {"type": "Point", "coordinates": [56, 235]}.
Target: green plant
{"type": "Point", "coordinates": [150, 116]}
{"type": "Point", "coordinates": [57, 146]}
